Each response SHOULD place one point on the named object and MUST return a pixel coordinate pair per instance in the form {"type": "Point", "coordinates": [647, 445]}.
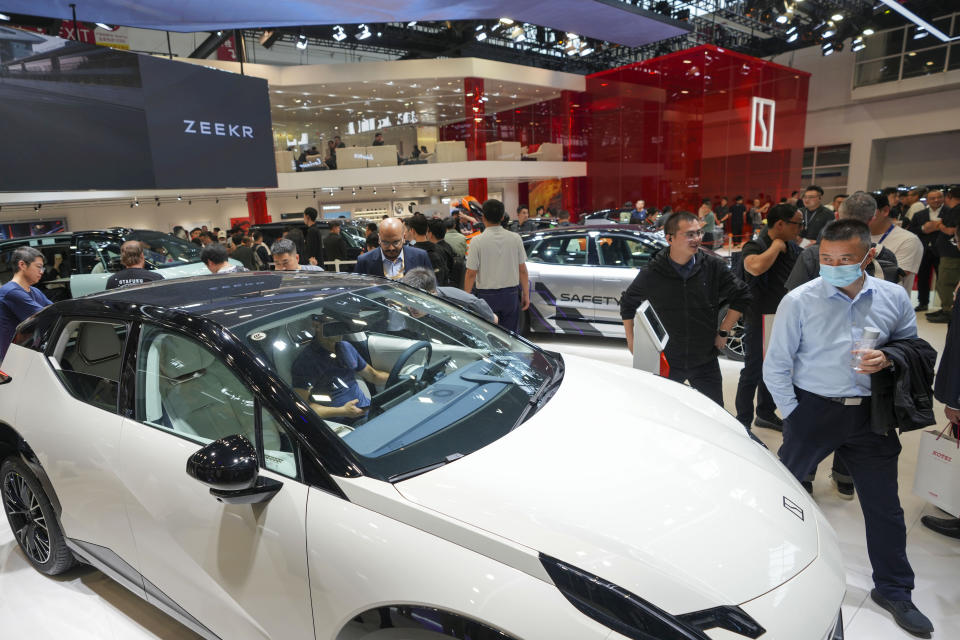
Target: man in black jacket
{"type": "Point", "coordinates": [948, 273]}
{"type": "Point", "coordinates": [946, 389]}
{"type": "Point", "coordinates": [313, 241]}
{"type": "Point", "coordinates": [687, 288]}
{"type": "Point", "coordinates": [815, 215]}
{"type": "Point", "coordinates": [438, 258]}
{"type": "Point", "coordinates": [926, 224]}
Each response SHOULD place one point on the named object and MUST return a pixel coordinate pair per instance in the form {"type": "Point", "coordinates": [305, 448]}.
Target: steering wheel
{"type": "Point", "coordinates": [406, 355]}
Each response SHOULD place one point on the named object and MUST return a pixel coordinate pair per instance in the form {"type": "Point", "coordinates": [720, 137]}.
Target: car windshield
{"type": "Point", "coordinates": [407, 380]}
{"type": "Point", "coordinates": [165, 250]}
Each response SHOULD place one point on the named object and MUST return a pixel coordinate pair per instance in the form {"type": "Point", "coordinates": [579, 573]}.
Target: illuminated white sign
{"type": "Point", "coordinates": [761, 124]}
{"type": "Point", "coordinates": [373, 124]}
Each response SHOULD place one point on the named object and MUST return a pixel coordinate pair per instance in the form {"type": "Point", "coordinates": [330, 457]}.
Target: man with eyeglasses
{"type": "Point", "coordinates": [686, 287]}
{"type": "Point", "coordinates": [767, 263]}
{"type": "Point", "coordinates": [393, 259]}
{"type": "Point", "coordinates": [815, 215]}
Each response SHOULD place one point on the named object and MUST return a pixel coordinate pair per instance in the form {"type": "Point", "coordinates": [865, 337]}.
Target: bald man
{"type": "Point", "coordinates": [393, 258]}
{"type": "Point", "coordinates": [134, 267]}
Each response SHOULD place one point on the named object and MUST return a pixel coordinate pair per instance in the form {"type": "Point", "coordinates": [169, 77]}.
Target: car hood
{"type": "Point", "coordinates": [641, 481]}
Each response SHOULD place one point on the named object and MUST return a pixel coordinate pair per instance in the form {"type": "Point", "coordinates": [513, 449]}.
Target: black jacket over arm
{"type": "Point", "coordinates": [689, 309]}
{"type": "Point", "coordinates": [947, 387]}
{"type": "Point", "coordinates": [903, 398]}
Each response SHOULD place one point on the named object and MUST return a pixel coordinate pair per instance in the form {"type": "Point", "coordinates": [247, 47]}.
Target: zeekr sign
{"type": "Point", "coordinates": [116, 120]}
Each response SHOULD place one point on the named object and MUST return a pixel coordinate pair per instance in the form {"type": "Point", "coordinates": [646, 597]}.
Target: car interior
{"type": "Point", "coordinates": [88, 359]}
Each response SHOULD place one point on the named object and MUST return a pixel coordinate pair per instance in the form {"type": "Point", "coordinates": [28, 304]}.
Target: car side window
{"type": "Point", "coordinates": [618, 251]}
{"type": "Point", "coordinates": [570, 250]}
{"type": "Point", "coordinates": [185, 388]}
{"type": "Point", "coordinates": [88, 357]}
{"type": "Point", "coordinates": [98, 254]}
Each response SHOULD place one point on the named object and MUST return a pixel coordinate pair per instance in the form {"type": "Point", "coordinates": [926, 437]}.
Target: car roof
{"type": "Point", "coordinates": [629, 228]}
{"type": "Point", "coordinates": [231, 300]}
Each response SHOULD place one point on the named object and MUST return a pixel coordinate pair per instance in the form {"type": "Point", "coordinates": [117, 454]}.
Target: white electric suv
{"type": "Point", "coordinates": [339, 457]}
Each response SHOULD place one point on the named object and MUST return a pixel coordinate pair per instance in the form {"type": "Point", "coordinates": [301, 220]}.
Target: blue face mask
{"type": "Point", "coordinates": [843, 275]}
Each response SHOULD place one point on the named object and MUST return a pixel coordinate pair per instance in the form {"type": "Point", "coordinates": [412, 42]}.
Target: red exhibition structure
{"type": "Point", "coordinates": [701, 123]}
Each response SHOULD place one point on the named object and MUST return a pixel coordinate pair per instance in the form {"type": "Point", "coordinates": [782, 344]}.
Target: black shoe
{"type": "Point", "coordinates": [770, 422]}
{"type": "Point", "coordinates": [920, 307]}
{"type": "Point", "coordinates": [936, 314]}
{"type": "Point", "coordinates": [844, 489]}
{"type": "Point", "coordinates": [808, 486]}
{"type": "Point", "coordinates": [905, 614]}
{"type": "Point", "coordinates": [944, 319]}
{"type": "Point", "coordinates": [949, 527]}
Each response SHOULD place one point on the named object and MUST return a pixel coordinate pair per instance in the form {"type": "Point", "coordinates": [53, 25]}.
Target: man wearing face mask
{"type": "Point", "coordinates": [686, 287]}
{"type": "Point", "coordinates": [823, 389]}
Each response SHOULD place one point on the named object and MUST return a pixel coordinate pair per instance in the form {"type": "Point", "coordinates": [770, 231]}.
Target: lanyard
{"type": "Point", "coordinates": [884, 236]}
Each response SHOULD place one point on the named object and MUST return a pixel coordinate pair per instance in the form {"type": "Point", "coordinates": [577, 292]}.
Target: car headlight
{"type": "Point", "coordinates": [634, 617]}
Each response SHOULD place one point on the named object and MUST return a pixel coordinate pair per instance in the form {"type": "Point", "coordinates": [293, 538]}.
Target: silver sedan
{"type": "Point", "coordinates": [577, 275]}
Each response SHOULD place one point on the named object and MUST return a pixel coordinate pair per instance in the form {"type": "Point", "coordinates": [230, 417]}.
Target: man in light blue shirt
{"type": "Point", "coordinates": [825, 401]}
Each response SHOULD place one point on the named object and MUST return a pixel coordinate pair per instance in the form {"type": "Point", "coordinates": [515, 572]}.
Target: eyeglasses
{"type": "Point", "coordinates": [391, 243]}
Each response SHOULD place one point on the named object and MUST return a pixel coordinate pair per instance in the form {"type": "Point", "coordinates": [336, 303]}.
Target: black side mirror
{"type": "Point", "coordinates": [230, 468]}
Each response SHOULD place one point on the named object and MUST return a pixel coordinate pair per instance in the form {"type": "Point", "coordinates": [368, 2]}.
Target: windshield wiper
{"type": "Point", "coordinates": [430, 467]}
{"type": "Point", "coordinates": [539, 398]}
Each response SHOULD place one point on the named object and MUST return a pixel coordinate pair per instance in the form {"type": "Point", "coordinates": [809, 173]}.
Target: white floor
{"type": "Point", "coordinates": [85, 605]}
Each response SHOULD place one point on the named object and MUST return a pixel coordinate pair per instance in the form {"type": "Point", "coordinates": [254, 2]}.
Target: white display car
{"type": "Point", "coordinates": [171, 435]}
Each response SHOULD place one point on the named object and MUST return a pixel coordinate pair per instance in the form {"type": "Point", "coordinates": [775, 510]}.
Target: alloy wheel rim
{"type": "Point", "coordinates": [26, 518]}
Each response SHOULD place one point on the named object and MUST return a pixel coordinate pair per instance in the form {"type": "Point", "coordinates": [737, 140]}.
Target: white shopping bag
{"type": "Point", "coordinates": [937, 479]}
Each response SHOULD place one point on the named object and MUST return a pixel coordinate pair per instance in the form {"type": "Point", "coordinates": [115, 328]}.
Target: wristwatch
{"type": "Point", "coordinates": [723, 334]}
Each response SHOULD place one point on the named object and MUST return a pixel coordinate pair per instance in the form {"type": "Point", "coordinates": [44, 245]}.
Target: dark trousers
{"type": "Point", "coordinates": [751, 376]}
{"type": "Point", "coordinates": [705, 378]}
{"type": "Point", "coordinates": [505, 303]}
{"type": "Point", "coordinates": [928, 266]}
{"type": "Point", "coordinates": [818, 427]}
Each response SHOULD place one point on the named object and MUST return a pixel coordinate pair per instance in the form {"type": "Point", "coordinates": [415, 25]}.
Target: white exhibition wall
{"type": "Point", "coordinates": [868, 118]}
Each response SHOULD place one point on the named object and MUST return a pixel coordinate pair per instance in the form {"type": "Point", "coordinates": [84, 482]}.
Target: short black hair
{"type": "Point", "coordinates": [210, 234]}
{"type": "Point", "coordinates": [449, 223]}
{"type": "Point", "coordinates": [522, 207]}
{"type": "Point", "coordinates": [886, 192]}
{"type": "Point", "coordinates": [847, 229]}
{"type": "Point", "coordinates": [373, 241]}
{"type": "Point", "coordinates": [954, 193]}
{"type": "Point", "coordinates": [336, 222]}
{"type": "Point", "coordinates": [738, 198]}
{"type": "Point", "coordinates": [779, 212]}
{"type": "Point", "coordinates": [257, 235]}
{"type": "Point", "coordinates": [437, 228]}
{"type": "Point", "coordinates": [493, 210]}
{"type": "Point", "coordinates": [563, 214]}
{"type": "Point", "coordinates": [418, 222]}
{"type": "Point", "coordinates": [814, 187]}
{"type": "Point", "coordinates": [673, 222]}
{"type": "Point", "coordinates": [372, 227]}
{"type": "Point", "coordinates": [311, 213]}
{"type": "Point", "coordinates": [214, 252]}
{"type": "Point", "coordinates": [881, 201]}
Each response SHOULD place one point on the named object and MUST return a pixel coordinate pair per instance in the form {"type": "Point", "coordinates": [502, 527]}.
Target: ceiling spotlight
{"type": "Point", "coordinates": [374, 191]}
{"type": "Point", "coordinates": [339, 34]}
{"type": "Point", "coordinates": [364, 32]}
{"type": "Point", "coordinates": [302, 42]}
{"type": "Point", "coordinates": [858, 45]}
{"type": "Point", "coordinates": [516, 34]}
{"type": "Point", "coordinates": [4, 16]}
{"type": "Point", "coordinates": [793, 37]}
{"type": "Point", "coordinates": [104, 26]}
{"type": "Point", "coordinates": [837, 17]}
{"type": "Point", "coordinates": [179, 197]}
{"type": "Point", "coordinates": [782, 18]}
{"type": "Point", "coordinates": [826, 48]}
{"type": "Point", "coordinates": [792, 30]}
{"type": "Point", "coordinates": [394, 189]}
{"type": "Point", "coordinates": [506, 20]}
{"type": "Point", "coordinates": [136, 202]}
{"type": "Point", "coordinates": [868, 32]}
{"type": "Point", "coordinates": [586, 52]}
{"type": "Point", "coordinates": [829, 33]}
{"type": "Point", "coordinates": [920, 33]}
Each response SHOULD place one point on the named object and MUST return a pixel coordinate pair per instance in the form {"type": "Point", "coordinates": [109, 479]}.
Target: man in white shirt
{"type": "Point", "coordinates": [905, 246]}
{"type": "Point", "coordinates": [496, 263]}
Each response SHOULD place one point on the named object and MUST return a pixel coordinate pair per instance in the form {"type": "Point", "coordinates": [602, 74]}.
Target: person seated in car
{"type": "Point", "coordinates": [325, 372]}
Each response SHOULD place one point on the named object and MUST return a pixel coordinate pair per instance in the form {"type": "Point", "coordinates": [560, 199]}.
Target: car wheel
{"type": "Point", "coordinates": [32, 519]}
{"type": "Point", "coordinates": [734, 348]}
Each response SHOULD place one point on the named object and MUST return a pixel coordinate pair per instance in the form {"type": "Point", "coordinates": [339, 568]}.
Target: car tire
{"type": "Point", "coordinates": [32, 519]}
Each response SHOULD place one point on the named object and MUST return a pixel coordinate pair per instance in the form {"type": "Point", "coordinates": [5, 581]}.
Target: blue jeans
{"type": "Point", "coordinates": [505, 303]}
